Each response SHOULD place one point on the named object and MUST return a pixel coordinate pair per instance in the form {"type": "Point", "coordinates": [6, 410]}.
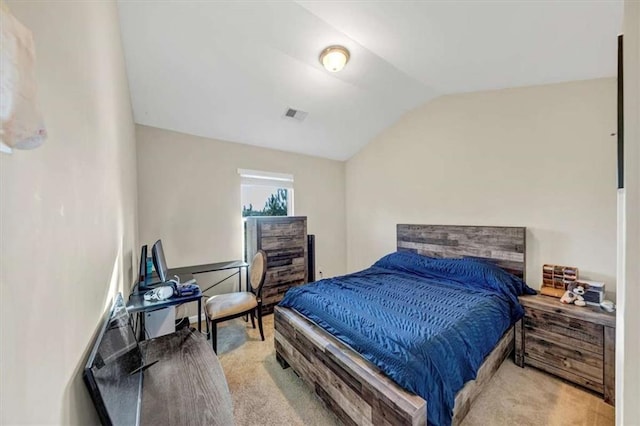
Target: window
{"type": "Point", "coordinates": [266, 193]}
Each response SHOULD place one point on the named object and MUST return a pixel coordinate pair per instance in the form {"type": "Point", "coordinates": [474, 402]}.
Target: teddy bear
{"type": "Point", "coordinates": [573, 295]}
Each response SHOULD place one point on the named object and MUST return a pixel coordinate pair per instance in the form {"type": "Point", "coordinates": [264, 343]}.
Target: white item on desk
{"type": "Point", "coordinates": [160, 322]}
{"type": "Point", "coordinates": [608, 305]}
{"type": "Point", "coordinates": [161, 293]}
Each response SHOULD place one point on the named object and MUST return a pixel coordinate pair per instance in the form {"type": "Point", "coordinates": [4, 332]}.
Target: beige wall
{"type": "Point", "coordinates": [628, 320]}
{"type": "Point", "coordinates": [541, 157]}
{"type": "Point", "coordinates": [189, 195]}
{"type": "Point", "coordinates": [68, 219]}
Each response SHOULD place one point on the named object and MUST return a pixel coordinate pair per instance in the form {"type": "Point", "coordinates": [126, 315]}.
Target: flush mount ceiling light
{"type": "Point", "coordinates": [334, 58]}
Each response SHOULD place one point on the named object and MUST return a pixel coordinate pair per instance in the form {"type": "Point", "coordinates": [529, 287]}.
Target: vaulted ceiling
{"type": "Point", "coordinates": [230, 70]}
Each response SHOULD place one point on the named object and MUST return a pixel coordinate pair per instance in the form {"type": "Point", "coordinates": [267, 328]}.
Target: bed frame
{"type": "Point", "coordinates": [354, 389]}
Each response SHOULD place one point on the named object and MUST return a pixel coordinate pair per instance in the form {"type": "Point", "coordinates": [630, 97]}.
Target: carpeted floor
{"type": "Point", "coordinates": [264, 393]}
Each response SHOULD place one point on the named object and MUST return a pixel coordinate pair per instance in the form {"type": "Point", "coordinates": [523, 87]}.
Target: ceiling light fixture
{"type": "Point", "coordinates": [334, 58]}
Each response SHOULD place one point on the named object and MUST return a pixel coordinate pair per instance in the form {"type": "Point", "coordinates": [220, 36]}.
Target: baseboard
{"type": "Point", "coordinates": [194, 319]}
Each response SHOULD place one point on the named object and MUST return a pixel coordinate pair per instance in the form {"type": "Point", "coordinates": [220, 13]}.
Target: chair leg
{"type": "Point", "coordinates": [206, 320]}
{"type": "Point", "coordinates": [253, 321]}
{"type": "Point", "coordinates": [259, 311]}
{"type": "Point", "coordinates": [214, 336]}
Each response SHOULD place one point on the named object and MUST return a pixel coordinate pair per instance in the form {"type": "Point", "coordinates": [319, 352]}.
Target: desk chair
{"type": "Point", "coordinates": [224, 307]}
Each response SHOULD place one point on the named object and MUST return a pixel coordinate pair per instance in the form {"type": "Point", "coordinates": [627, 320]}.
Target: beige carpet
{"type": "Point", "coordinates": [263, 393]}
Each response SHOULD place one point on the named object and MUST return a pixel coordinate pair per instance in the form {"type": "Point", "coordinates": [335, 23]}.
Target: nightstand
{"type": "Point", "coordinates": [575, 343]}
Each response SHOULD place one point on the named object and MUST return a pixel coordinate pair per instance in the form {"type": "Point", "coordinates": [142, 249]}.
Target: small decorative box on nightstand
{"type": "Point", "coordinates": [572, 342]}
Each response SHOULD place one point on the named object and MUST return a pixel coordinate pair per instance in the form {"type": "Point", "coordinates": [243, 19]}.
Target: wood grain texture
{"type": "Point", "coordinates": [187, 385]}
{"type": "Point", "coordinates": [581, 362]}
{"type": "Point", "coordinates": [565, 374]}
{"type": "Point", "coordinates": [564, 325]}
{"type": "Point", "coordinates": [504, 246]}
{"type": "Point", "coordinates": [471, 390]}
{"type": "Point", "coordinates": [519, 344]}
{"type": "Point", "coordinates": [284, 239]}
{"type": "Point", "coordinates": [572, 342]}
{"type": "Point", "coordinates": [587, 313]}
{"type": "Point", "coordinates": [610, 365]}
{"type": "Point", "coordinates": [562, 339]}
{"type": "Point", "coordinates": [353, 388]}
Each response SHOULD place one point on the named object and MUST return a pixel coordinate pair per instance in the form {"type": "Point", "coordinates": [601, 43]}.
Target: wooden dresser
{"type": "Point", "coordinates": [284, 239]}
{"type": "Point", "coordinates": [575, 343]}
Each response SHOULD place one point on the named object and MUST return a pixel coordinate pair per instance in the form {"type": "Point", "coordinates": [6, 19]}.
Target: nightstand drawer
{"type": "Point", "coordinates": [567, 375]}
{"type": "Point", "coordinates": [572, 328]}
{"type": "Point", "coordinates": [562, 339]}
{"type": "Point", "coordinates": [565, 357]}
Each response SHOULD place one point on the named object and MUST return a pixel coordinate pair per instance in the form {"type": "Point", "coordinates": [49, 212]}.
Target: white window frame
{"type": "Point", "coordinates": [250, 177]}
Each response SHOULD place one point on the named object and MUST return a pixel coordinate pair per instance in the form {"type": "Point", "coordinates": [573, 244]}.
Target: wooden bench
{"type": "Point", "coordinates": [173, 379]}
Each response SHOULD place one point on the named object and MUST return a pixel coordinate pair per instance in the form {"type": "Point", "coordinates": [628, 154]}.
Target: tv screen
{"type": "Point", "coordinates": [159, 262]}
{"type": "Point", "coordinates": [142, 271]}
{"type": "Point", "coordinates": [112, 373]}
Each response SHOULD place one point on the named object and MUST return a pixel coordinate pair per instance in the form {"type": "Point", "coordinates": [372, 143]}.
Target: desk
{"type": "Point", "coordinates": [187, 272]}
{"type": "Point", "coordinates": [137, 304]}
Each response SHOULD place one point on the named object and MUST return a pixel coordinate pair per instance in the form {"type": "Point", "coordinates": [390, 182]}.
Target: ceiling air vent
{"type": "Point", "coordinates": [296, 114]}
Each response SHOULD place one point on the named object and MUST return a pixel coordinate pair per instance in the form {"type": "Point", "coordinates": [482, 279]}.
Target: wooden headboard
{"type": "Point", "coordinates": [503, 245]}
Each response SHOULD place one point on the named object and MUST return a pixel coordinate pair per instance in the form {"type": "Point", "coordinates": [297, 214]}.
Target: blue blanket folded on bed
{"type": "Point", "coordinates": [426, 323]}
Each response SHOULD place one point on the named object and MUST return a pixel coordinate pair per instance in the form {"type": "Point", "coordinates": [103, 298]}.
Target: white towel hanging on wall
{"type": "Point", "coordinates": [22, 122]}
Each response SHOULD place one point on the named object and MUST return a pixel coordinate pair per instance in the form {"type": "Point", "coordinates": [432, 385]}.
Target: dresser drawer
{"type": "Point", "coordinates": [565, 326]}
{"type": "Point", "coordinates": [282, 257]}
{"type": "Point", "coordinates": [567, 375]}
{"type": "Point", "coordinates": [565, 357]}
{"type": "Point", "coordinates": [563, 339]}
{"type": "Point", "coordinates": [280, 243]}
{"type": "Point", "coordinates": [283, 228]}
{"type": "Point", "coordinates": [286, 274]}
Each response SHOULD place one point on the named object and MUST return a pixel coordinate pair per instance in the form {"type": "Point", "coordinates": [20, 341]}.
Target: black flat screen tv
{"type": "Point", "coordinates": [113, 373]}
{"type": "Point", "coordinates": [142, 270]}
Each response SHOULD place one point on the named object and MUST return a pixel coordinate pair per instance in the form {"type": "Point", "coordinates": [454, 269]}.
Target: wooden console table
{"type": "Point", "coordinates": [186, 386]}
{"type": "Point", "coordinates": [173, 379]}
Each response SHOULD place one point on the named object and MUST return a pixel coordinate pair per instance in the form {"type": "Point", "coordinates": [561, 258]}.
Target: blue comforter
{"type": "Point", "coordinates": [426, 323]}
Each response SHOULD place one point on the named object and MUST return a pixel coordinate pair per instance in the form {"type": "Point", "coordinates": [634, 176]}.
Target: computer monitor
{"type": "Point", "coordinates": [159, 262]}
{"type": "Point", "coordinates": [142, 271]}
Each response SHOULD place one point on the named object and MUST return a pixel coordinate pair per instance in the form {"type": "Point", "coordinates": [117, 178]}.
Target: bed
{"type": "Point", "coordinates": [358, 387]}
